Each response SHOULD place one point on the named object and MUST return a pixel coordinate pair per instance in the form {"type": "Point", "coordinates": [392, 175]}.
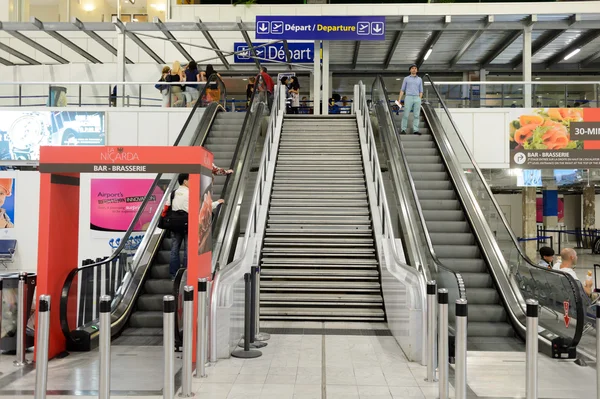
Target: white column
{"type": "Point", "coordinates": [121, 40]}
{"type": "Point", "coordinates": [527, 65]}
{"type": "Point", "coordinates": [482, 88]}
{"type": "Point", "coordinates": [326, 81]}
{"type": "Point", "coordinates": [317, 79]}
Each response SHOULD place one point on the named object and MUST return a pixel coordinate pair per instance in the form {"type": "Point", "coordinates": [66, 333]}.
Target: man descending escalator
{"type": "Point", "coordinates": [412, 86]}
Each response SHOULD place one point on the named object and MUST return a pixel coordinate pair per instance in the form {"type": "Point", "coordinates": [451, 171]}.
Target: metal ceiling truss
{"type": "Point", "coordinates": [502, 45]}
{"type": "Point", "coordinates": [244, 32]}
{"type": "Point", "coordinates": [580, 42]}
{"type": "Point", "coordinates": [470, 41]}
{"type": "Point", "coordinates": [212, 43]}
{"type": "Point", "coordinates": [433, 39]}
{"type": "Point", "coordinates": [35, 45]}
{"type": "Point", "coordinates": [589, 60]}
{"type": "Point", "coordinates": [355, 55]}
{"type": "Point", "coordinates": [288, 57]}
{"type": "Point", "coordinates": [121, 26]}
{"type": "Point", "coordinates": [6, 62]}
{"type": "Point", "coordinates": [172, 39]}
{"type": "Point", "coordinates": [18, 54]}
{"type": "Point", "coordinates": [394, 44]}
{"type": "Point", "coordinates": [111, 49]}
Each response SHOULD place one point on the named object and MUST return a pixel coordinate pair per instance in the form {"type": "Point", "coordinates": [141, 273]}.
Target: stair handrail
{"type": "Point", "coordinates": [225, 277]}
{"type": "Point", "coordinates": [438, 264]}
{"type": "Point", "coordinates": [461, 181]}
{"type": "Point", "coordinates": [383, 220]}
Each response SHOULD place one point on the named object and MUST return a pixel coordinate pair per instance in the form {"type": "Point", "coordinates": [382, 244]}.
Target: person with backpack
{"type": "Point", "coordinates": [179, 205]}
{"type": "Point", "coordinates": [165, 90]}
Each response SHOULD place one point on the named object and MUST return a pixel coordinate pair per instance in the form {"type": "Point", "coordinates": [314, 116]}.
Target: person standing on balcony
{"type": "Point", "coordinates": [412, 86]}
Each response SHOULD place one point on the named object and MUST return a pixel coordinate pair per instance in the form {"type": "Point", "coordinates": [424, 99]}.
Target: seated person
{"type": "Point", "coordinates": [569, 260]}
{"type": "Point", "coordinates": [547, 257]}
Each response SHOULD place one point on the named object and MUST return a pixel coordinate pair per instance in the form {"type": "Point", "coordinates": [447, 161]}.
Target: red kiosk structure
{"type": "Point", "coordinates": [60, 169]}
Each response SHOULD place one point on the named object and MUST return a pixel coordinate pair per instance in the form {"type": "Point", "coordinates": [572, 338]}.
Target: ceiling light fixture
{"type": "Point", "coordinates": [89, 7]}
{"type": "Point", "coordinates": [428, 54]}
{"type": "Point", "coordinates": [571, 54]}
{"type": "Point", "coordinates": [159, 7]}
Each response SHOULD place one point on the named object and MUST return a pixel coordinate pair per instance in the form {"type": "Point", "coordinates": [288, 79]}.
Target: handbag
{"type": "Point", "coordinates": [176, 221]}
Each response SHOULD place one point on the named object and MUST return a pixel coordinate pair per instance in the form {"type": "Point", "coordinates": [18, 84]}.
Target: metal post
{"type": "Point", "coordinates": [41, 367]}
{"type": "Point", "coordinates": [105, 335]}
{"type": "Point", "coordinates": [531, 351]}
{"type": "Point", "coordinates": [246, 353]}
{"type": "Point", "coordinates": [188, 334]}
{"type": "Point", "coordinates": [597, 346]}
{"type": "Point", "coordinates": [21, 321]}
{"type": "Point", "coordinates": [460, 383]}
{"type": "Point", "coordinates": [443, 343]}
{"type": "Point", "coordinates": [258, 336]}
{"type": "Point", "coordinates": [80, 95]}
{"type": "Point", "coordinates": [168, 346]}
{"type": "Point", "coordinates": [254, 304]}
{"type": "Point", "coordinates": [202, 330]}
{"type": "Point", "coordinates": [431, 330]}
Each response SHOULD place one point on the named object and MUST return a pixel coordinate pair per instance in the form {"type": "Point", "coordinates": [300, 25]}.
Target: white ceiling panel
{"type": "Point", "coordinates": [561, 42]}
{"type": "Point", "coordinates": [447, 46]}
{"type": "Point", "coordinates": [341, 52]}
{"type": "Point", "coordinates": [374, 51]}
{"type": "Point", "coordinates": [481, 47]}
{"type": "Point", "coordinates": [591, 48]}
{"type": "Point", "coordinates": [515, 48]}
{"type": "Point", "coordinates": [409, 47]}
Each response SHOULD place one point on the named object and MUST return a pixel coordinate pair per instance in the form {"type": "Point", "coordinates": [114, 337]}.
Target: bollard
{"type": "Point", "coordinates": [247, 353]}
{"type": "Point", "coordinates": [431, 330]}
{"type": "Point", "coordinates": [188, 334]}
{"type": "Point", "coordinates": [104, 347]}
{"type": "Point", "coordinates": [531, 351]}
{"type": "Point", "coordinates": [21, 321]}
{"type": "Point", "coordinates": [597, 349]}
{"type": "Point", "coordinates": [201, 329]}
{"type": "Point", "coordinates": [443, 344]}
{"type": "Point", "coordinates": [168, 345]}
{"type": "Point", "coordinates": [41, 364]}
{"type": "Point", "coordinates": [254, 305]}
{"type": "Point", "coordinates": [258, 336]}
{"type": "Point", "coordinates": [460, 383]}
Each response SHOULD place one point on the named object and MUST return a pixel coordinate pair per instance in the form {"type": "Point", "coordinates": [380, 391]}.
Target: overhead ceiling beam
{"type": "Point", "coordinates": [172, 39]}
{"type": "Point", "coordinates": [470, 41]}
{"type": "Point", "coordinates": [433, 39]}
{"type": "Point", "coordinates": [19, 55]}
{"type": "Point", "coordinates": [541, 42]}
{"type": "Point", "coordinates": [38, 47]}
{"type": "Point", "coordinates": [580, 42]}
{"type": "Point", "coordinates": [502, 45]}
{"type": "Point", "coordinates": [589, 60]}
{"type": "Point", "coordinates": [394, 44]}
{"type": "Point", "coordinates": [97, 38]}
{"type": "Point", "coordinates": [242, 29]}
{"type": "Point", "coordinates": [6, 62]}
{"type": "Point", "coordinates": [119, 24]}
{"type": "Point", "coordinates": [355, 56]}
{"type": "Point", "coordinates": [212, 43]}
{"type": "Point", "coordinates": [64, 41]}
{"type": "Point", "coordinates": [288, 58]}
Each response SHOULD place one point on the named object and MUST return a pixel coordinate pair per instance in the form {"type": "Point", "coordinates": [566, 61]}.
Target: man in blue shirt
{"type": "Point", "coordinates": [412, 86]}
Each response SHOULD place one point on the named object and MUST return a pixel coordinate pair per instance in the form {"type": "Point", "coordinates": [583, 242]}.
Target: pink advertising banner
{"type": "Point", "coordinates": [114, 203]}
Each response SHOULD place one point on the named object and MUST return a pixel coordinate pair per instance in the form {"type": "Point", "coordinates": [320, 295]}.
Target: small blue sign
{"type": "Point", "coordinates": [320, 28]}
{"type": "Point", "coordinates": [300, 53]}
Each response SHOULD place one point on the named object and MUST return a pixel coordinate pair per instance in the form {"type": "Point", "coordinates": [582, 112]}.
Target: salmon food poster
{"type": "Point", "coordinates": [115, 202]}
{"type": "Point", "coordinates": [554, 138]}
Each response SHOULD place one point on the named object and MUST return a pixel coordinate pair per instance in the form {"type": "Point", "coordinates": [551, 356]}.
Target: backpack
{"type": "Point", "coordinates": [161, 87]}
{"type": "Point", "coordinates": [176, 221]}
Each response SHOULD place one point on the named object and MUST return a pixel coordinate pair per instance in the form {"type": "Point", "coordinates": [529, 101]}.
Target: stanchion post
{"type": "Point", "coordinates": [443, 343]}
{"type": "Point", "coordinates": [460, 383]}
{"type": "Point", "coordinates": [41, 365]}
{"type": "Point", "coordinates": [201, 341]}
{"type": "Point", "coordinates": [247, 353]}
{"type": "Point", "coordinates": [188, 334]}
{"type": "Point", "coordinates": [254, 305]}
{"type": "Point", "coordinates": [258, 336]}
{"type": "Point", "coordinates": [21, 320]}
{"type": "Point", "coordinates": [531, 349]}
{"type": "Point", "coordinates": [168, 346]}
{"type": "Point", "coordinates": [431, 329]}
{"type": "Point", "coordinates": [104, 347]}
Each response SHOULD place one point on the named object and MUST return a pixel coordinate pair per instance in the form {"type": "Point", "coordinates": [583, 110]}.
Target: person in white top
{"type": "Point", "coordinates": [568, 258]}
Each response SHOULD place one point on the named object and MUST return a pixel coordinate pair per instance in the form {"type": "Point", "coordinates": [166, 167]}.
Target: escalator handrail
{"type": "Point", "coordinates": [213, 107]}
{"type": "Point", "coordinates": [226, 193]}
{"type": "Point", "coordinates": [522, 255]}
{"type": "Point", "coordinates": [413, 191]}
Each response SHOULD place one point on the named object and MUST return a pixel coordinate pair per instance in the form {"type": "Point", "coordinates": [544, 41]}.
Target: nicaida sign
{"type": "Point", "coordinates": [300, 53]}
{"type": "Point", "coordinates": [320, 27]}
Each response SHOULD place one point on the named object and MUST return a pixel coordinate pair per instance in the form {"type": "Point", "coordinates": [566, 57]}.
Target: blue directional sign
{"type": "Point", "coordinates": [299, 52]}
{"type": "Point", "coordinates": [320, 28]}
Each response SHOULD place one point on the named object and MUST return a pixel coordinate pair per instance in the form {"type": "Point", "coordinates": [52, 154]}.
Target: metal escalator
{"type": "Point", "coordinates": [456, 209]}
{"type": "Point", "coordinates": [146, 320]}
{"type": "Point", "coordinates": [318, 260]}
{"type": "Point", "coordinates": [137, 279]}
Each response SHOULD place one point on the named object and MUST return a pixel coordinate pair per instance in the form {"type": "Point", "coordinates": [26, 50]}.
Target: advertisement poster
{"type": "Point", "coordinates": [555, 138]}
{"type": "Point", "coordinates": [540, 210]}
{"type": "Point", "coordinates": [115, 202]}
{"type": "Point", "coordinates": [206, 212]}
{"type": "Point", "coordinates": [7, 203]}
{"type": "Point", "coordinates": [23, 132]}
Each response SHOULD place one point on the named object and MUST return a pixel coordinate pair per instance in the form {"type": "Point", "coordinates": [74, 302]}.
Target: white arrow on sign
{"type": "Point", "coordinates": [263, 27]}
{"type": "Point", "coordinates": [377, 28]}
